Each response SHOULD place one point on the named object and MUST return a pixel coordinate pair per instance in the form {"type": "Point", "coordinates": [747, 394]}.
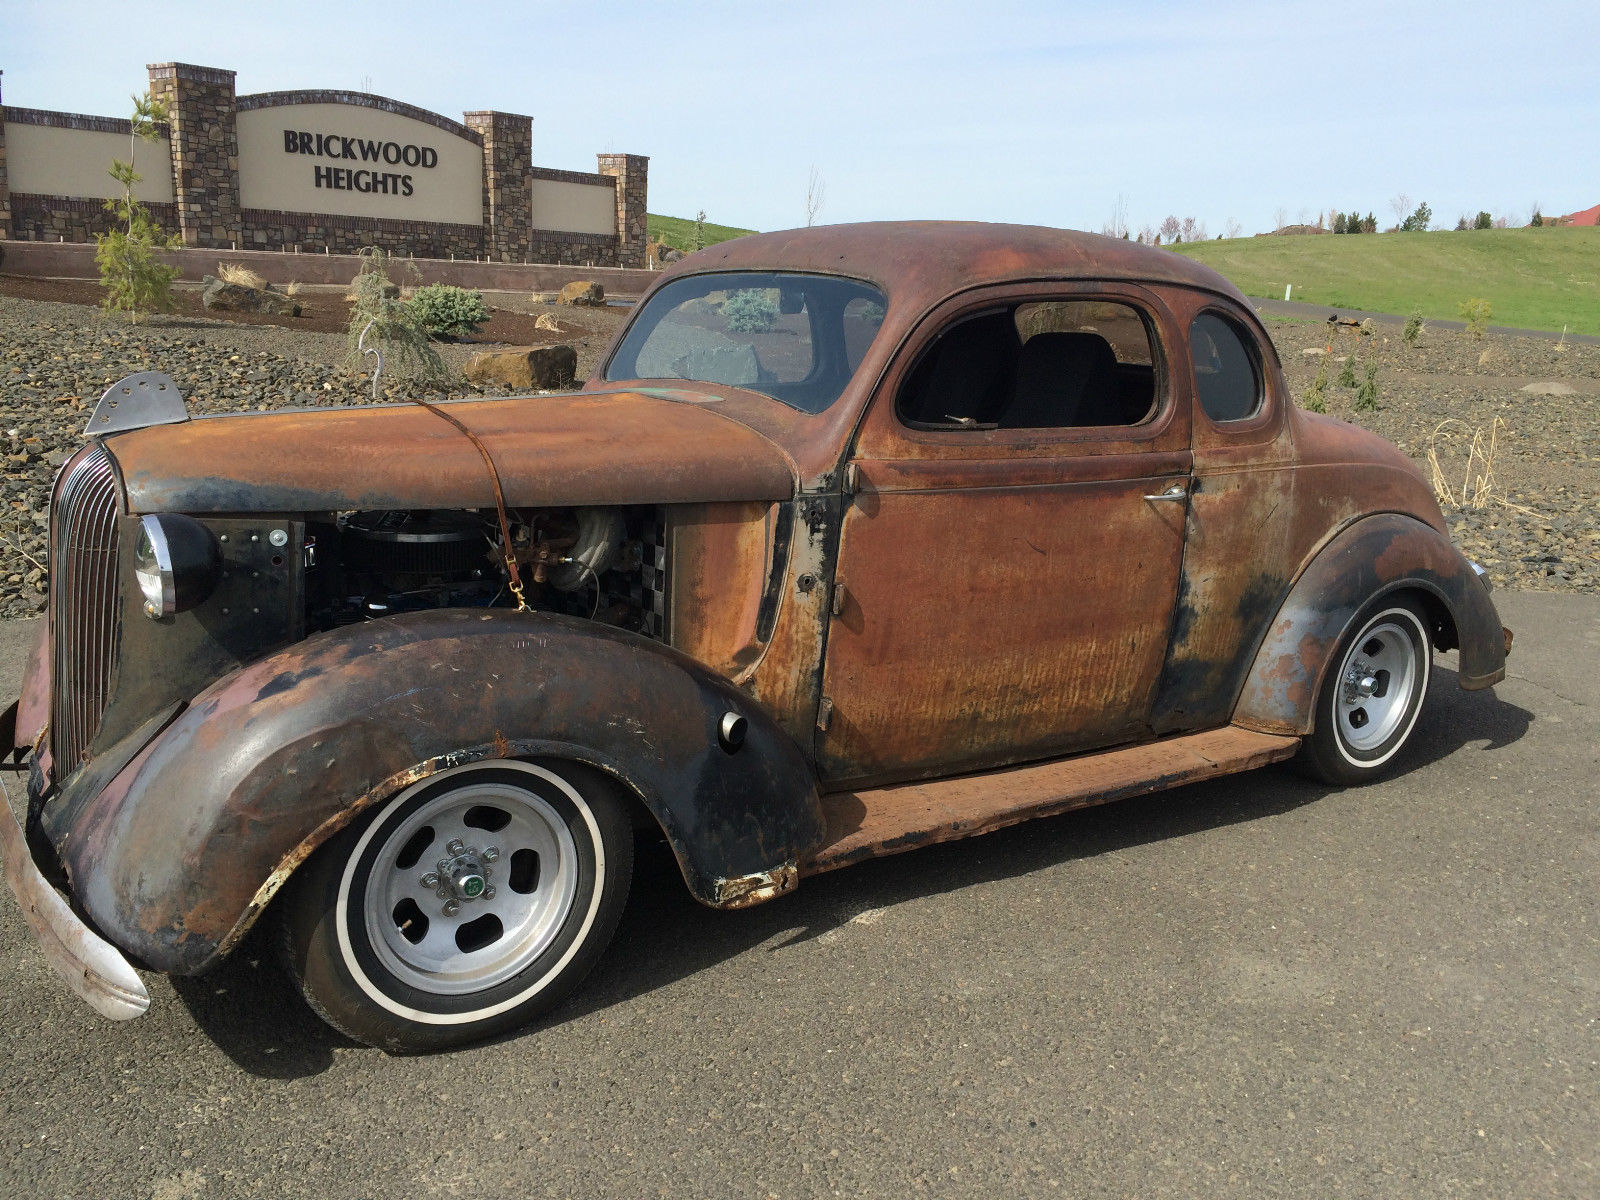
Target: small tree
{"type": "Point", "coordinates": [816, 195]}
{"type": "Point", "coordinates": [1484, 221]}
{"type": "Point", "coordinates": [1476, 313]}
{"type": "Point", "coordinates": [396, 329]}
{"type": "Point", "coordinates": [1370, 225]}
{"type": "Point", "coordinates": [1413, 329]}
{"type": "Point", "coordinates": [1418, 221]}
{"type": "Point", "coordinates": [700, 230]}
{"type": "Point", "coordinates": [1338, 222]}
{"type": "Point", "coordinates": [134, 280]}
{"type": "Point", "coordinates": [1317, 394]}
{"type": "Point", "coordinates": [1367, 393]}
{"type": "Point", "coordinates": [1347, 372]}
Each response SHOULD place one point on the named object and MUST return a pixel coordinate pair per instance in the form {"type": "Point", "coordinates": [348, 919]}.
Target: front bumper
{"type": "Point", "coordinates": [91, 966]}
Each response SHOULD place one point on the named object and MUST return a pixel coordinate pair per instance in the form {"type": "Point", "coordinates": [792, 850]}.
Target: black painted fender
{"type": "Point", "coordinates": [1372, 557]}
{"type": "Point", "coordinates": [175, 856]}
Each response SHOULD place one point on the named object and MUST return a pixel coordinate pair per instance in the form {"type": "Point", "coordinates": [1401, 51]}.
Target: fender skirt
{"type": "Point", "coordinates": [1373, 557]}
{"type": "Point", "coordinates": [176, 855]}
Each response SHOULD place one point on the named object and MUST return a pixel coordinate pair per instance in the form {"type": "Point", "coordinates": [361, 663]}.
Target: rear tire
{"type": "Point", "coordinates": [1372, 694]}
{"type": "Point", "coordinates": [466, 906]}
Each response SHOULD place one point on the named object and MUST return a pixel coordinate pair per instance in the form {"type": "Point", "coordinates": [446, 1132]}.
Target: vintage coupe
{"type": "Point", "coordinates": [861, 538]}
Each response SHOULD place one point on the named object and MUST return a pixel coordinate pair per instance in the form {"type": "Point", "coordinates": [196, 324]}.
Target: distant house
{"type": "Point", "coordinates": [1589, 216]}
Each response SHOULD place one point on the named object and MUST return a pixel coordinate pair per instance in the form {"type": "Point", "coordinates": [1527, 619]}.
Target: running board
{"type": "Point", "coordinates": [889, 820]}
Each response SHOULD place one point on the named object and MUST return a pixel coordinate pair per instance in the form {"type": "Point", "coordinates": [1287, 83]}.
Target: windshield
{"type": "Point", "coordinates": [796, 338]}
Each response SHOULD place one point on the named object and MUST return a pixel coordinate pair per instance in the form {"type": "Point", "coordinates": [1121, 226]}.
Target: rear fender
{"type": "Point", "coordinates": [1373, 557]}
{"type": "Point", "coordinates": [176, 855]}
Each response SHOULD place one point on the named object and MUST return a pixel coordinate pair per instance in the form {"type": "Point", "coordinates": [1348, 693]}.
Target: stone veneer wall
{"type": "Point", "coordinates": [201, 112]}
{"type": "Point", "coordinates": [315, 233]}
{"type": "Point", "coordinates": [632, 173]}
{"type": "Point", "coordinates": [5, 186]}
{"type": "Point", "coordinates": [36, 218]}
{"type": "Point", "coordinates": [507, 199]}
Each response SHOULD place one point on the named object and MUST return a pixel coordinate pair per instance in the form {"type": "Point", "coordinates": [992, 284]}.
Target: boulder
{"type": "Point", "coordinates": [670, 255]}
{"type": "Point", "coordinates": [543, 367]}
{"type": "Point", "coordinates": [547, 321]}
{"type": "Point", "coordinates": [583, 293]}
{"type": "Point", "coordinates": [218, 296]}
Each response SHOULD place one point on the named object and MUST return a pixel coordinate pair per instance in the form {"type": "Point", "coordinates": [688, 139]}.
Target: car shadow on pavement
{"type": "Point", "coordinates": [254, 1013]}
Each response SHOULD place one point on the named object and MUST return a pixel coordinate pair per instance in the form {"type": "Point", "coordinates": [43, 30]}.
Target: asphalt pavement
{"type": "Point", "coordinates": [1252, 987]}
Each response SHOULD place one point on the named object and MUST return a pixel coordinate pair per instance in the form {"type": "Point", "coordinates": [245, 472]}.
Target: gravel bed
{"type": "Point", "coordinates": [1538, 527]}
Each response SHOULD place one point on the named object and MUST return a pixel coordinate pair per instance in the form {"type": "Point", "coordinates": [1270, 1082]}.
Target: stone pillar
{"type": "Point", "coordinates": [5, 185]}
{"type": "Point", "coordinates": [507, 188]}
{"type": "Point", "coordinates": [632, 173]}
{"type": "Point", "coordinates": [202, 118]}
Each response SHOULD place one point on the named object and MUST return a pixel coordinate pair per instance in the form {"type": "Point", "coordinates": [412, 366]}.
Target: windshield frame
{"type": "Point", "coordinates": [724, 279]}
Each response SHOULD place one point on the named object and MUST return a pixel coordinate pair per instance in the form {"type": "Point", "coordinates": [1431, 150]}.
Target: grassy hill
{"type": "Point", "coordinates": [678, 232]}
{"type": "Point", "coordinates": [1533, 278]}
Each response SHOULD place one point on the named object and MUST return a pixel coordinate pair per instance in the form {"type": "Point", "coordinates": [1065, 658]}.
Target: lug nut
{"type": "Point", "coordinates": [454, 846]}
{"type": "Point", "coordinates": [430, 880]}
{"type": "Point", "coordinates": [452, 907]}
{"type": "Point", "coordinates": [492, 854]}
{"type": "Point", "coordinates": [488, 892]}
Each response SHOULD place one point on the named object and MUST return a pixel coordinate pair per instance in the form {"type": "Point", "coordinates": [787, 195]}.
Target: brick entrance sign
{"type": "Point", "coordinates": [321, 172]}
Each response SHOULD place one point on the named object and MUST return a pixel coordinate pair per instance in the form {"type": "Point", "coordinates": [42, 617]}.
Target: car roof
{"type": "Point", "coordinates": [928, 260]}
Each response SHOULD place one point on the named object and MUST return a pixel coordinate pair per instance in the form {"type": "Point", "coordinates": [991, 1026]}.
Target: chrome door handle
{"type": "Point", "coordinates": [1177, 491]}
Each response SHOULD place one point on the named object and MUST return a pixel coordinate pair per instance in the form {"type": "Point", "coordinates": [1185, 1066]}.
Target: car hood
{"type": "Point", "coordinates": [646, 446]}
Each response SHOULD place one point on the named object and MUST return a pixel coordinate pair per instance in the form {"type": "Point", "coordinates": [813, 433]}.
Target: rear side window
{"type": "Point", "coordinates": [1227, 373]}
{"type": "Point", "coordinates": [1055, 364]}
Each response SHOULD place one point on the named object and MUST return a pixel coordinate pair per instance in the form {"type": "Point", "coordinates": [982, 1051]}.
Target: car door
{"type": "Point", "coordinates": [1010, 551]}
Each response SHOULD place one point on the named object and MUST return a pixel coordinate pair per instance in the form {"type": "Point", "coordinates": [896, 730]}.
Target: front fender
{"type": "Point", "coordinates": [175, 856]}
{"type": "Point", "coordinates": [1372, 557]}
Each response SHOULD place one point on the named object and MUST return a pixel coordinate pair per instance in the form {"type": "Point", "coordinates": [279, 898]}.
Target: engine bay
{"type": "Point", "coordinates": [597, 563]}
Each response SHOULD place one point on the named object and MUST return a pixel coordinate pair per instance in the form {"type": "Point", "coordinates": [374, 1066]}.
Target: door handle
{"type": "Point", "coordinates": [1177, 491]}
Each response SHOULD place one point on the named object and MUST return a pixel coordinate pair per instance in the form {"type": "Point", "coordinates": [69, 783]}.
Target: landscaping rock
{"type": "Point", "coordinates": [220, 296]}
{"type": "Point", "coordinates": [584, 293]}
{"type": "Point", "coordinates": [1549, 388]}
{"type": "Point", "coordinates": [542, 367]}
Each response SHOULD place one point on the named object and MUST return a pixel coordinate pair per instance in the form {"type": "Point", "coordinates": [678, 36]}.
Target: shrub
{"type": "Point", "coordinates": [1414, 328]}
{"type": "Point", "coordinates": [446, 311]}
{"type": "Point", "coordinates": [1367, 393]}
{"type": "Point", "coordinates": [1476, 313]}
{"type": "Point", "coordinates": [396, 332]}
{"type": "Point", "coordinates": [134, 281]}
{"type": "Point", "coordinates": [1347, 372]}
{"type": "Point", "coordinates": [1317, 394]}
{"type": "Point", "coordinates": [750, 311]}
{"type": "Point", "coordinates": [239, 275]}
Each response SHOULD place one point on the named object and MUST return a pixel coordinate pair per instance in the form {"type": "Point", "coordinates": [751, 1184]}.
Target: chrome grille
{"type": "Point", "coordinates": [83, 603]}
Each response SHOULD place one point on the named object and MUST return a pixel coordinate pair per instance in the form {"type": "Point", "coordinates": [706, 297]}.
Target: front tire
{"type": "Point", "coordinates": [1372, 695]}
{"type": "Point", "coordinates": [467, 905]}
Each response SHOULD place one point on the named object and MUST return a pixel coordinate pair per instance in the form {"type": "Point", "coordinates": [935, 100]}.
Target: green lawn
{"type": "Point", "coordinates": [678, 232]}
{"type": "Point", "coordinates": [1533, 278]}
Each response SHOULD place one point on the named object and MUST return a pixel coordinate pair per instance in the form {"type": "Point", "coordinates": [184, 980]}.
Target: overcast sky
{"type": "Point", "coordinates": [1042, 113]}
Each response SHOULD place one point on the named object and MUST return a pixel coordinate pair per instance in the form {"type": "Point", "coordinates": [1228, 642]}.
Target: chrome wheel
{"type": "Point", "coordinates": [1371, 694]}
{"type": "Point", "coordinates": [468, 904]}
{"type": "Point", "coordinates": [1378, 681]}
{"type": "Point", "coordinates": [470, 888]}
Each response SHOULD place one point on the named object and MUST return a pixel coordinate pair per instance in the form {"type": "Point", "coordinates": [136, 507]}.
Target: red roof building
{"type": "Point", "coordinates": [1589, 216]}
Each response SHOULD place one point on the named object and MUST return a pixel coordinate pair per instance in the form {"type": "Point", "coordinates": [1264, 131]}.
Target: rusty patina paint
{"type": "Point", "coordinates": [1372, 557]}
{"type": "Point", "coordinates": [171, 860]}
{"type": "Point", "coordinates": [33, 709]}
{"type": "Point", "coordinates": [595, 448]}
{"type": "Point", "coordinates": [720, 560]}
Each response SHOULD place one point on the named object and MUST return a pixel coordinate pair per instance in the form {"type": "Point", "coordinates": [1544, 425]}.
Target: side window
{"type": "Point", "coordinates": [1227, 373]}
{"type": "Point", "coordinates": [1047, 365]}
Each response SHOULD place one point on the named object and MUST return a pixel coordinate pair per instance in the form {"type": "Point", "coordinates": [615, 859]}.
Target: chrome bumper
{"type": "Point", "coordinates": [92, 966]}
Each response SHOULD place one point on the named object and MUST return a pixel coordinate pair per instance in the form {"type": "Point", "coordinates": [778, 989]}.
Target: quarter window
{"type": "Point", "coordinates": [1227, 373]}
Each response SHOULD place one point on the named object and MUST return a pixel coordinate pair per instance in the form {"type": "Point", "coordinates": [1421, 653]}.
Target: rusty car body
{"type": "Point", "coordinates": [862, 538]}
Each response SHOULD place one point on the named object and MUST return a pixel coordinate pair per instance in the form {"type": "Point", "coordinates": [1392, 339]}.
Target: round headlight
{"type": "Point", "coordinates": [176, 562]}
